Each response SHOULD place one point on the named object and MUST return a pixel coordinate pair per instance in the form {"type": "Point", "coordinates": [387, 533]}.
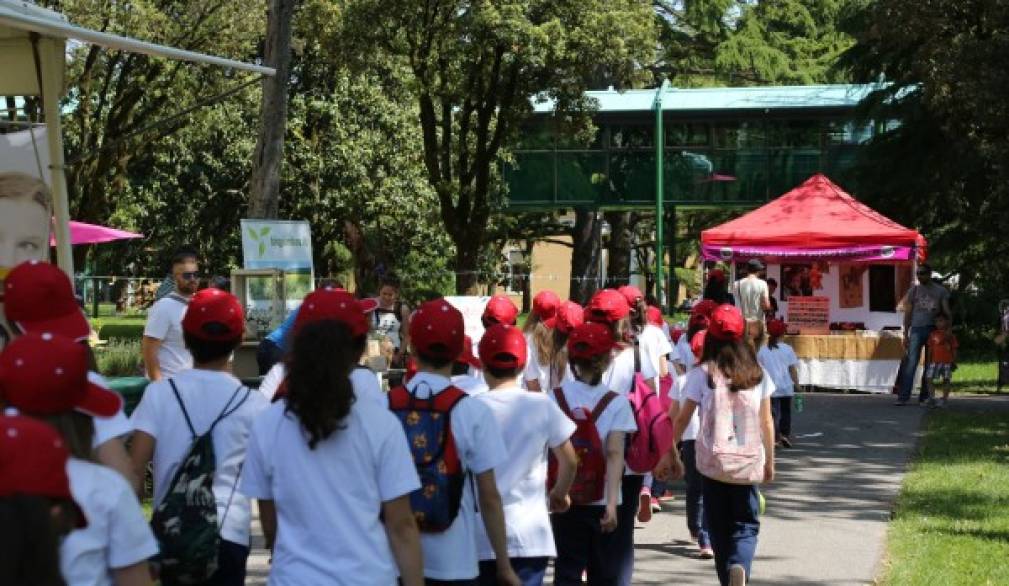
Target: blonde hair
{"type": "Point", "coordinates": [21, 185]}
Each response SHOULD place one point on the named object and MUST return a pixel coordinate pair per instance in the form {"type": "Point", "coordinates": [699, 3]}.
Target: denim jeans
{"type": "Point", "coordinates": [781, 411]}
{"type": "Point", "coordinates": [231, 561]}
{"type": "Point", "coordinates": [581, 547]}
{"type": "Point", "coordinates": [731, 511]}
{"type": "Point", "coordinates": [619, 545]}
{"type": "Point", "coordinates": [916, 343]}
{"type": "Point", "coordinates": [695, 498]}
{"type": "Point", "coordinates": [531, 571]}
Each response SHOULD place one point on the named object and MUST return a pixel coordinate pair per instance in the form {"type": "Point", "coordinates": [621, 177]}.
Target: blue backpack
{"type": "Point", "coordinates": [428, 425]}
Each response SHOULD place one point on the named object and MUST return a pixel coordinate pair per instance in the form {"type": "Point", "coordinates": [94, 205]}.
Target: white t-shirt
{"type": "Point", "coordinates": [617, 416]}
{"type": "Point", "coordinates": [329, 499]}
{"type": "Point", "coordinates": [541, 372]}
{"type": "Point", "coordinates": [683, 354]}
{"type": "Point", "coordinates": [531, 423]}
{"type": "Point", "coordinates": [117, 535]}
{"type": "Point", "coordinates": [205, 394]}
{"type": "Point", "coordinates": [653, 346]}
{"type": "Point", "coordinates": [749, 294]}
{"type": "Point", "coordinates": [452, 554]}
{"type": "Point", "coordinates": [620, 374]}
{"type": "Point", "coordinates": [363, 380]}
{"type": "Point", "coordinates": [164, 322]}
{"type": "Point", "coordinates": [473, 383]}
{"type": "Point", "coordinates": [108, 428]}
{"type": "Point", "coordinates": [776, 362]}
{"type": "Point", "coordinates": [696, 386]}
{"type": "Point", "coordinates": [676, 394]}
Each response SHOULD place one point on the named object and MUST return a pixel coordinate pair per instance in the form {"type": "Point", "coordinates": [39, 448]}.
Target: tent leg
{"type": "Point", "coordinates": [52, 53]}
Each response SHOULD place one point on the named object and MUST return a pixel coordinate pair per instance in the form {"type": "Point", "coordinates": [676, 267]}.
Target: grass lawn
{"type": "Point", "coordinates": [951, 524]}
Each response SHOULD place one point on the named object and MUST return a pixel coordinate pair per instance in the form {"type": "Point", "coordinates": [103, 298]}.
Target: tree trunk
{"type": "Point", "coordinates": [527, 281]}
{"type": "Point", "coordinates": [264, 187]}
{"type": "Point", "coordinates": [618, 267]}
{"type": "Point", "coordinates": [466, 281]}
{"type": "Point", "coordinates": [586, 238]}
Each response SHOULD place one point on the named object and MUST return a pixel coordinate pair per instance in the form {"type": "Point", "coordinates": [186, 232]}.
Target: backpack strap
{"type": "Point", "coordinates": [228, 409]}
{"type": "Point", "coordinates": [176, 297]}
{"type": "Point", "coordinates": [562, 402]}
{"type": "Point", "coordinates": [637, 356]}
{"type": "Point", "coordinates": [602, 405]}
{"type": "Point", "coordinates": [178, 397]}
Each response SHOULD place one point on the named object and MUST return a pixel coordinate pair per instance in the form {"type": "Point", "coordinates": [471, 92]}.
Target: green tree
{"type": "Point", "coordinates": [472, 68]}
{"type": "Point", "coordinates": [947, 173]}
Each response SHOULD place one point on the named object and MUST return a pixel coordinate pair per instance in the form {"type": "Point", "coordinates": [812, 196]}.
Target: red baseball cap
{"type": "Point", "coordinates": [545, 306]}
{"type": "Point", "coordinates": [632, 294]}
{"type": "Point", "coordinates": [717, 275]}
{"type": "Point", "coordinates": [704, 307]}
{"type": "Point", "coordinates": [589, 340]}
{"type": "Point", "coordinates": [335, 304]}
{"type": "Point", "coordinates": [503, 346]}
{"type": "Point", "coordinates": [437, 330]}
{"type": "Point", "coordinates": [38, 297]}
{"type": "Point", "coordinates": [697, 344]}
{"type": "Point", "coordinates": [570, 315]}
{"type": "Point", "coordinates": [501, 310]}
{"type": "Point", "coordinates": [607, 306]}
{"type": "Point", "coordinates": [654, 316]}
{"type": "Point", "coordinates": [727, 323]}
{"type": "Point", "coordinates": [777, 328]}
{"type": "Point", "coordinates": [215, 316]}
{"type": "Point", "coordinates": [45, 374]}
{"type": "Point", "coordinates": [467, 356]}
{"type": "Point", "coordinates": [698, 320]}
{"type": "Point", "coordinates": [33, 461]}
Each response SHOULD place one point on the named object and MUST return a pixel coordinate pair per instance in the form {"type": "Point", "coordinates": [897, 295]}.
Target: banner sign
{"type": "Point", "coordinates": [811, 315]}
{"type": "Point", "coordinates": [471, 307]}
{"type": "Point", "coordinates": [278, 244]}
{"type": "Point", "coordinates": [869, 253]}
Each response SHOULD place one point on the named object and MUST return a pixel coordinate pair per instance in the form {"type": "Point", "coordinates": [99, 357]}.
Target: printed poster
{"type": "Point", "coordinates": [850, 290]}
{"type": "Point", "coordinates": [278, 244]}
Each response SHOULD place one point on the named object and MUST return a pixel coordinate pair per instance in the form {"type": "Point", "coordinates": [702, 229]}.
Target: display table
{"type": "Point", "coordinates": [862, 362]}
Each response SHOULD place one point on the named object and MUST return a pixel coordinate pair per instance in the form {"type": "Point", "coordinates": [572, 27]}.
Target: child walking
{"type": "Point", "coordinates": [333, 474]}
{"type": "Point", "coordinates": [532, 425]}
{"type": "Point", "coordinates": [584, 534]}
{"type": "Point", "coordinates": [735, 445]}
{"type": "Point", "coordinates": [941, 359]}
{"type": "Point", "coordinates": [780, 361]}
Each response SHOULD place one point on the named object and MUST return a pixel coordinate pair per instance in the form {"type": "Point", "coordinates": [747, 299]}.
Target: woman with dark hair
{"type": "Point", "coordinates": [735, 444]}
{"type": "Point", "coordinates": [333, 475]}
{"type": "Point", "coordinates": [36, 506]}
{"type": "Point", "coordinates": [46, 377]}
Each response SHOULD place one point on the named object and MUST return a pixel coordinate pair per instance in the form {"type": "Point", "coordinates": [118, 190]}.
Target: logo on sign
{"type": "Point", "coordinates": [887, 251]}
{"type": "Point", "coordinates": [725, 252]}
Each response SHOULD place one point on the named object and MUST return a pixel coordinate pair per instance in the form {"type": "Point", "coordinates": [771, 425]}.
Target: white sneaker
{"type": "Point", "coordinates": [737, 575]}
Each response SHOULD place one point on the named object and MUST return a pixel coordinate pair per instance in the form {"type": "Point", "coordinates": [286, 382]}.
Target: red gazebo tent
{"type": "Point", "coordinates": [816, 220]}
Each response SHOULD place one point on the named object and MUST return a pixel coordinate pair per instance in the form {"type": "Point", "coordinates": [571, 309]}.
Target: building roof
{"type": "Point", "coordinates": [726, 98]}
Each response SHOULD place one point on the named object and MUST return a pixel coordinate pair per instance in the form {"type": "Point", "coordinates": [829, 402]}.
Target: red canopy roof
{"type": "Point", "coordinates": [816, 214]}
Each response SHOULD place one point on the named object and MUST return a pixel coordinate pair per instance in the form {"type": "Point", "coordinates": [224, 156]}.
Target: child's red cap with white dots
{"type": "Point", "coordinates": [214, 315]}
{"type": "Point", "coordinates": [46, 374]}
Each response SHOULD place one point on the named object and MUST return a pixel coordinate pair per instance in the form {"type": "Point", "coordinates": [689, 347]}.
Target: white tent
{"type": "Point", "coordinates": [33, 62]}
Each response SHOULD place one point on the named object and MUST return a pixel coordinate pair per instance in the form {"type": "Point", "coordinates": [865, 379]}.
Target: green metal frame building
{"type": "Point", "coordinates": [669, 147]}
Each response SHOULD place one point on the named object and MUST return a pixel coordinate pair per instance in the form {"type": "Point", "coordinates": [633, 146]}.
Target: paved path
{"type": "Point", "coordinates": [826, 513]}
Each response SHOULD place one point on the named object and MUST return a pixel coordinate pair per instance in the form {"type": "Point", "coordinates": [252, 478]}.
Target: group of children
{"type": "Point", "coordinates": [481, 468]}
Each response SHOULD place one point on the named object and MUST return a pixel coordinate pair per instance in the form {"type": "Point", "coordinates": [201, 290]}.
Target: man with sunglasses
{"type": "Point", "coordinates": [923, 303]}
{"type": "Point", "coordinates": [164, 351]}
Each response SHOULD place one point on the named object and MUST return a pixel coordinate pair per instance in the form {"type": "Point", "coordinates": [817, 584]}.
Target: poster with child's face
{"type": "Point", "coordinates": [795, 281]}
{"type": "Point", "coordinates": [25, 205]}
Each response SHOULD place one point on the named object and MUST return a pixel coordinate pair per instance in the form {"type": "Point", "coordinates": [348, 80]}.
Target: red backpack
{"type": "Point", "coordinates": [590, 480]}
{"type": "Point", "coordinates": [654, 436]}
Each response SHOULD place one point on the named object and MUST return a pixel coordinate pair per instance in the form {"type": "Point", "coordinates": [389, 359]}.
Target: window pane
{"type": "Point", "coordinates": [686, 134]}
{"type": "Point", "coordinates": [882, 288]}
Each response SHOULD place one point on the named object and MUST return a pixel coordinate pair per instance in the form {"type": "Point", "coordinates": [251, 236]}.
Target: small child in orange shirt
{"type": "Point", "coordinates": [941, 359]}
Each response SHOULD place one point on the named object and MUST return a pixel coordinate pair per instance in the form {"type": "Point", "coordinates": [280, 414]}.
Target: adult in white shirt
{"type": "Point", "coordinates": [436, 334]}
{"type": "Point", "coordinates": [39, 298]}
{"type": "Point", "coordinates": [332, 475]}
{"type": "Point", "coordinates": [174, 411]}
{"type": "Point", "coordinates": [751, 292]}
{"type": "Point", "coordinates": [531, 425]}
{"type": "Point", "coordinates": [585, 534]}
{"type": "Point", "coordinates": [46, 376]}
{"type": "Point", "coordinates": [331, 303]}
{"type": "Point", "coordinates": [731, 511]}
{"type": "Point", "coordinates": [165, 353]}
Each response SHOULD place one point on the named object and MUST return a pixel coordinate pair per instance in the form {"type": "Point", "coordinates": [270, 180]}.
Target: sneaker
{"type": "Point", "coordinates": [666, 496]}
{"type": "Point", "coordinates": [737, 575]}
{"type": "Point", "coordinates": [656, 505]}
{"type": "Point", "coordinates": [785, 441]}
{"type": "Point", "coordinates": [706, 553]}
{"type": "Point", "coordinates": [644, 507]}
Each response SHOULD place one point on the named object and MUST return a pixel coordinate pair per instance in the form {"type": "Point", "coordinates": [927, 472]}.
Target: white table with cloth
{"type": "Point", "coordinates": [865, 361]}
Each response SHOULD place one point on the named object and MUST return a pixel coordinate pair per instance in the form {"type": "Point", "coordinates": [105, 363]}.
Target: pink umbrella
{"type": "Point", "coordinates": [82, 233]}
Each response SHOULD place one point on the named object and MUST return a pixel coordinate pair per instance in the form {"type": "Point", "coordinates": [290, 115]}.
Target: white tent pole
{"type": "Point", "coordinates": [51, 53]}
{"type": "Point", "coordinates": [63, 30]}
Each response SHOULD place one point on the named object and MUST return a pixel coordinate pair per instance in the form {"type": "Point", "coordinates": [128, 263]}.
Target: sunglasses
{"type": "Point", "coordinates": [190, 276]}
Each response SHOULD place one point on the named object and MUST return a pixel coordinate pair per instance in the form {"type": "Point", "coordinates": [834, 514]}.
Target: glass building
{"type": "Point", "coordinates": [720, 146]}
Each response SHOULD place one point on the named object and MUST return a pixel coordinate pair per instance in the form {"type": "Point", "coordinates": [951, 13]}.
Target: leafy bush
{"type": "Point", "coordinates": [120, 358]}
{"type": "Point", "coordinates": [122, 331]}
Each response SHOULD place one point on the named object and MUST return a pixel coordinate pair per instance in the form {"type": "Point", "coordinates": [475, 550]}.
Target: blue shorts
{"type": "Point", "coordinates": [943, 372]}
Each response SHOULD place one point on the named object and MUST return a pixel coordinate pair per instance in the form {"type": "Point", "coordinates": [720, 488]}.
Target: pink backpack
{"type": "Point", "coordinates": [729, 446]}
{"type": "Point", "coordinates": [654, 436]}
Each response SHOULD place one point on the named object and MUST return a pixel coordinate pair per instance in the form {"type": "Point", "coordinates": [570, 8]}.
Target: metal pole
{"type": "Point", "coordinates": [659, 196]}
